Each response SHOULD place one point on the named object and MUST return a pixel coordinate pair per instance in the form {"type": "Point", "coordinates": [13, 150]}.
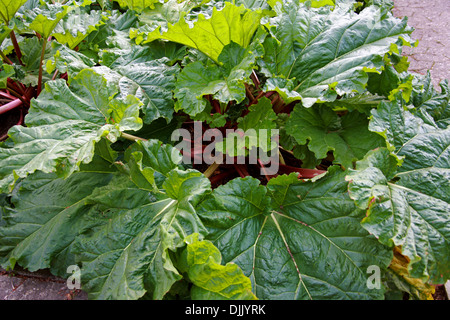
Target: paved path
{"type": "Point", "coordinates": [430, 18]}
{"type": "Point", "coordinates": [41, 285]}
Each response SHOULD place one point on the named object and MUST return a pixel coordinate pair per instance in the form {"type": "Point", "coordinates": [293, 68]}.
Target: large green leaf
{"type": "Point", "coordinates": [408, 206]}
{"type": "Point", "coordinates": [210, 36]}
{"type": "Point", "coordinates": [295, 240]}
{"type": "Point", "coordinates": [67, 60]}
{"type": "Point", "coordinates": [347, 136]}
{"type": "Point", "coordinates": [48, 214]}
{"type": "Point", "coordinates": [318, 54]}
{"type": "Point", "coordinates": [129, 255]}
{"type": "Point", "coordinates": [151, 81]}
{"type": "Point", "coordinates": [63, 126]}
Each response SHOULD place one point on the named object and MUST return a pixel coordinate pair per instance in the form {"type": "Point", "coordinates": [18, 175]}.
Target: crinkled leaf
{"type": "Point", "coordinates": [151, 81]}
{"type": "Point", "coordinates": [63, 126]}
{"type": "Point", "coordinates": [437, 104]}
{"type": "Point", "coordinates": [257, 129]}
{"type": "Point", "coordinates": [318, 57]}
{"type": "Point", "coordinates": [48, 214]}
{"type": "Point", "coordinates": [129, 256]}
{"type": "Point", "coordinates": [399, 278]}
{"type": "Point", "coordinates": [67, 60]}
{"type": "Point", "coordinates": [8, 9]}
{"type": "Point", "coordinates": [159, 18]}
{"type": "Point", "coordinates": [137, 5]}
{"type": "Point", "coordinates": [347, 136]}
{"type": "Point", "coordinates": [150, 163]}
{"type": "Point", "coordinates": [46, 17]}
{"type": "Point", "coordinates": [75, 27]}
{"type": "Point", "coordinates": [408, 208]}
{"type": "Point", "coordinates": [225, 84]}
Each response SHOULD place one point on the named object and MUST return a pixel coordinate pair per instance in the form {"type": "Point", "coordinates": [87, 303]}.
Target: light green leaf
{"type": "Point", "coordinates": [45, 18]}
{"type": "Point", "coordinates": [137, 5]}
{"type": "Point", "coordinates": [8, 9]}
{"type": "Point", "coordinates": [150, 81]}
{"type": "Point", "coordinates": [75, 27]}
{"type": "Point", "coordinates": [5, 72]}
{"type": "Point", "coordinates": [225, 84]}
{"type": "Point", "coordinates": [202, 263]}
{"type": "Point", "coordinates": [210, 36]}
{"type": "Point", "coordinates": [150, 163]}
{"type": "Point", "coordinates": [67, 60]}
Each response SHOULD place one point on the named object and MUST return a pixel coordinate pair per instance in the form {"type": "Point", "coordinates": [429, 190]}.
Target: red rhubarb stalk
{"type": "Point", "coordinates": [9, 106]}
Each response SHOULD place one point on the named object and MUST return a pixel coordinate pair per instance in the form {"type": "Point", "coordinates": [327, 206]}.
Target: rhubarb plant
{"type": "Point", "coordinates": [122, 159]}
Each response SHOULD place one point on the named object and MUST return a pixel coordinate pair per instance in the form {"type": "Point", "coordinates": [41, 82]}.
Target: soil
{"type": "Point", "coordinates": [440, 293]}
{"type": "Point", "coordinates": [9, 119]}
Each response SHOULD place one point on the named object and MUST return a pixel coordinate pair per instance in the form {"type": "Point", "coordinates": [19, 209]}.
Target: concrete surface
{"type": "Point", "coordinates": [24, 285]}
{"type": "Point", "coordinates": [430, 18]}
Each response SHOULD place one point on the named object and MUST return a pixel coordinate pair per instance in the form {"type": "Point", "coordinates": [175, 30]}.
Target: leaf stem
{"type": "Point", "coordinates": [131, 137]}
{"type": "Point", "coordinates": [255, 79]}
{"type": "Point", "coordinates": [44, 46]}
{"type": "Point", "coordinates": [249, 93]}
{"type": "Point", "coordinates": [10, 106]}
{"type": "Point", "coordinates": [208, 173]}
{"type": "Point", "coordinates": [5, 58]}
{"type": "Point", "coordinates": [16, 47]}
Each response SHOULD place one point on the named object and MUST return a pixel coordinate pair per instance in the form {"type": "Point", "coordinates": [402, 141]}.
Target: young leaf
{"type": "Point", "coordinates": [150, 163]}
{"type": "Point", "coordinates": [45, 18]}
{"type": "Point", "coordinates": [75, 27]}
{"type": "Point", "coordinates": [225, 84]}
{"type": "Point", "coordinates": [151, 81]}
{"type": "Point", "coordinates": [202, 263]}
{"type": "Point", "coordinates": [137, 5]}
